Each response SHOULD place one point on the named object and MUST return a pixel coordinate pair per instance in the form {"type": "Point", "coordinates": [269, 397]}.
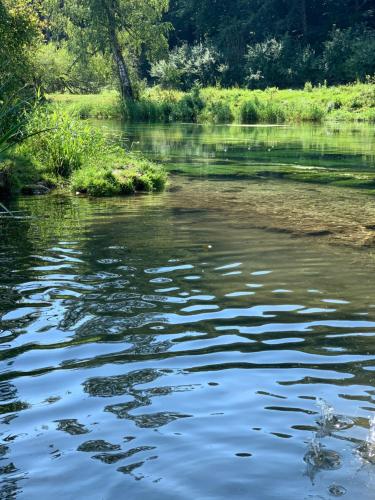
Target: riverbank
{"type": "Point", "coordinates": [346, 103]}
{"type": "Point", "coordinates": [62, 151]}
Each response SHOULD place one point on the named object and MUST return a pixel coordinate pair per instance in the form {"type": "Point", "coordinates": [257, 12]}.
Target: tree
{"type": "Point", "coordinates": [122, 28]}
{"type": "Point", "coordinates": [19, 34]}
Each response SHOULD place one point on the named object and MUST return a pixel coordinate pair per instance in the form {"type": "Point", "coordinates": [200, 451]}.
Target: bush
{"type": "Point", "coordinates": [313, 113]}
{"type": "Point", "coordinates": [271, 112]}
{"type": "Point", "coordinates": [217, 112]}
{"type": "Point", "coordinates": [283, 62]}
{"type": "Point", "coordinates": [188, 108]}
{"type": "Point", "coordinates": [187, 66]}
{"type": "Point", "coordinates": [249, 112]}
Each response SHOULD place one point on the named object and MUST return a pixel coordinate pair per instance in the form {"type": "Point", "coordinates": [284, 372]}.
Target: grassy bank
{"type": "Point", "coordinates": [354, 102]}
{"type": "Point", "coordinates": [71, 155]}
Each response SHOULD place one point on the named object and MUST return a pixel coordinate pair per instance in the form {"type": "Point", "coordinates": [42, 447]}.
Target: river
{"type": "Point", "coordinates": [173, 346]}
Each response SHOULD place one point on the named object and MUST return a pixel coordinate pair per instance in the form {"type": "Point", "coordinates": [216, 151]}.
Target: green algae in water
{"type": "Point", "coordinates": [342, 155]}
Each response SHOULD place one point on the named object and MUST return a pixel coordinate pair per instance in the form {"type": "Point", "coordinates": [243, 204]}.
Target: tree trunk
{"type": "Point", "coordinates": [303, 16]}
{"type": "Point", "coordinates": [123, 73]}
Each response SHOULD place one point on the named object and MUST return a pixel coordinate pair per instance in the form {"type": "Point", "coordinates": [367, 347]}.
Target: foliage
{"type": "Point", "coordinates": [126, 29]}
{"type": "Point", "coordinates": [58, 70]}
{"type": "Point", "coordinates": [305, 35]}
{"type": "Point", "coordinates": [279, 62]}
{"type": "Point", "coordinates": [118, 174]}
{"type": "Point", "coordinates": [64, 147]}
{"type": "Point", "coordinates": [349, 54]}
{"type": "Point", "coordinates": [249, 112]}
{"type": "Point", "coordinates": [74, 153]}
{"type": "Point", "coordinates": [19, 34]}
{"type": "Point", "coordinates": [354, 102]}
{"type": "Point", "coordinates": [187, 66]}
{"type": "Point", "coordinates": [216, 112]}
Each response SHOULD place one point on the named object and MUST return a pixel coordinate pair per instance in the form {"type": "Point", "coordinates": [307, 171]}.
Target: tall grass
{"type": "Point", "coordinates": [73, 154]}
{"type": "Point", "coordinates": [355, 102]}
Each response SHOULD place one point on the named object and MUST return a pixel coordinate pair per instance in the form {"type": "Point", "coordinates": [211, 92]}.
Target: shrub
{"type": "Point", "coordinates": [349, 54]}
{"type": "Point", "coordinates": [312, 113]}
{"type": "Point", "coordinates": [188, 108]}
{"type": "Point", "coordinates": [216, 112]}
{"type": "Point", "coordinates": [283, 62]}
{"type": "Point", "coordinates": [249, 112]}
{"type": "Point", "coordinates": [186, 66]}
{"type": "Point", "coordinates": [271, 112]}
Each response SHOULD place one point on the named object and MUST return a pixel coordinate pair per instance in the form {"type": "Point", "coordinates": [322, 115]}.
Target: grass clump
{"type": "Point", "coordinates": [72, 154]}
{"type": "Point", "coordinates": [249, 112]}
{"type": "Point", "coordinates": [118, 173]}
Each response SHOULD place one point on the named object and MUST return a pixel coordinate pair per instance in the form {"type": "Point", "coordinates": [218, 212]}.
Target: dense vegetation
{"type": "Point", "coordinates": [247, 43]}
{"type": "Point", "coordinates": [282, 43]}
{"type": "Point", "coordinates": [355, 102]}
{"type": "Point", "coordinates": [214, 61]}
{"type": "Point", "coordinates": [47, 146]}
{"type": "Point", "coordinates": [85, 46]}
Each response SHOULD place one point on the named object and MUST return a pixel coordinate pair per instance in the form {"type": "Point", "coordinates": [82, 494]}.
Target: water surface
{"type": "Point", "coordinates": [162, 347]}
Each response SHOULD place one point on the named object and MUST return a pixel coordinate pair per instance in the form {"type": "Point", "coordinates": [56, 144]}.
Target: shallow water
{"type": "Point", "coordinates": [161, 347]}
{"type": "Point", "coordinates": [233, 150]}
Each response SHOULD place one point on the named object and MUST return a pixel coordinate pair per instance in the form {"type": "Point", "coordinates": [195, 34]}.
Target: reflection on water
{"type": "Point", "coordinates": [233, 150]}
{"type": "Point", "coordinates": [163, 347]}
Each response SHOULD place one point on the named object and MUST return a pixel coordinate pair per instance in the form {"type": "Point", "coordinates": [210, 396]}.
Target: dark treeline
{"type": "Point", "coordinates": [260, 43]}
{"type": "Point", "coordinates": [84, 46]}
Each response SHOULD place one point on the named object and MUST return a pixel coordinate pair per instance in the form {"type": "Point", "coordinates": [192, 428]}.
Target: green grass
{"type": "Point", "coordinates": [118, 174]}
{"type": "Point", "coordinates": [346, 103]}
{"type": "Point", "coordinates": [104, 105]}
{"type": "Point", "coordinates": [73, 155]}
